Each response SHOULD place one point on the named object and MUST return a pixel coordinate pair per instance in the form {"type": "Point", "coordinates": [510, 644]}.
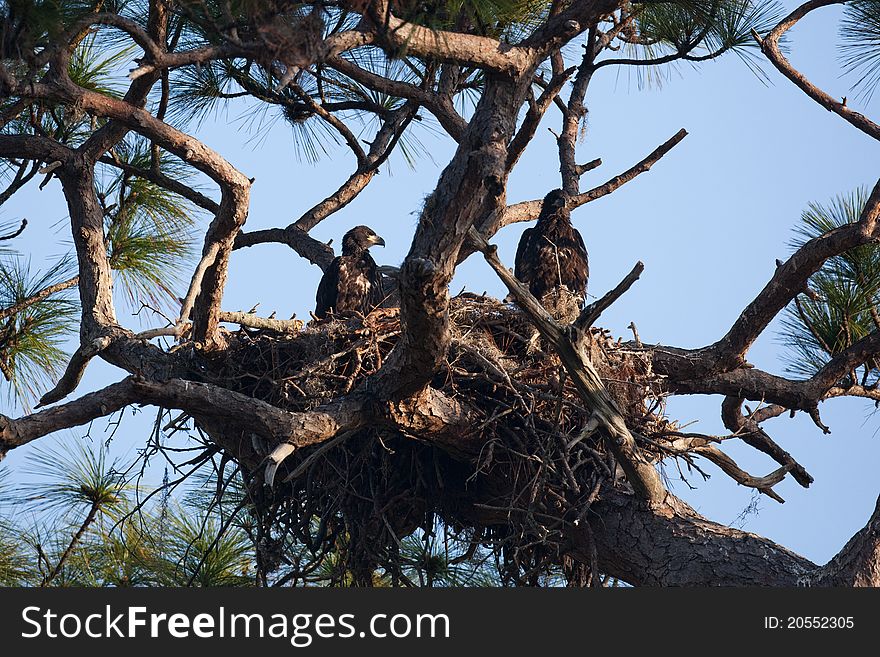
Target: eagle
{"type": "Point", "coordinates": [352, 282]}
{"type": "Point", "coordinates": [552, 255]}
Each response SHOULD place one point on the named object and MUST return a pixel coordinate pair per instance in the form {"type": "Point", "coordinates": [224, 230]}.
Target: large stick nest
{"type": "Point", "coordinates": [357, 496]}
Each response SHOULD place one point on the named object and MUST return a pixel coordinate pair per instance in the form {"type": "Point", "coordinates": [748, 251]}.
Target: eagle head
{"type": "Point", "coordinates": [360, 238]}
{"type": "Point", "coordinates": [555, 200]}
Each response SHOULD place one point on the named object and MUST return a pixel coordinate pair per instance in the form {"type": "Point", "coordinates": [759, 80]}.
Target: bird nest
{"type": "Point", "coordinates": [537, 469]}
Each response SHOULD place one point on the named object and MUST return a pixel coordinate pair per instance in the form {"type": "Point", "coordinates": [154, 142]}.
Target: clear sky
{"type": "Point", "coordinates": [708, 221]}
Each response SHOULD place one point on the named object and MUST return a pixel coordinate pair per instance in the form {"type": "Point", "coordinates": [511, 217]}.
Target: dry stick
{"type": "Point", "coordinates": [770, 47]}
{"type": "Point", "coordinates": [641, 474]}
{"type": "Point", "coordinates": [22, 178]}
{"type": "Point", "coordinates": [592, 312]}
{"type": "Point", "coordinates": [730, 468]}
{"type": "Point", "coordinates": [701, 445]}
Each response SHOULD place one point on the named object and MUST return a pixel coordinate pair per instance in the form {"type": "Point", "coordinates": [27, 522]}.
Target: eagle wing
{"type": "Point", "coordinates": [581, 267]}
{"type": "Point", "coordinates": [328, 290]}
{"type": "Point", "coordinates": [522, 266]}
{"type": "Point", "coordinates": [377, 287]}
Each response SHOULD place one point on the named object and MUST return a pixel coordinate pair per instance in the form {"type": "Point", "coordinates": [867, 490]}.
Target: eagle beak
{"type": "Point", "coordinates": [377, 241]}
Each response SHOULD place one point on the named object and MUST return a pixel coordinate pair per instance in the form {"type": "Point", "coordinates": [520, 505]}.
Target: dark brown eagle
{"type": "Point", "coordinates": [552, 254]}
{"type": "Point", "coordinates": [352, 281]}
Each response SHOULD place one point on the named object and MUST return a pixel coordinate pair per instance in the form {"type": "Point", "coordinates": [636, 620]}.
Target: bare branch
{"type": "Point", "coordinates": [75, 369]}
{"type": "Point", "coordinates": [533, 117]}
{"type": "Point", "coordinates": [22, 177]}
{"type": "Point", "coordinates": [209, 257]}
{"type": "Point", "coordinates": [529, 210]}
{"type": "Point", "coordinates": [791, 277]}
{"type": "Point", "coordinates": [439, 105]}
{"type": "Point", "coordinates": [770, 47]}
{"type": "Point", "coordinates": [14, 234]}
{"type": "Point", "coordinates": [592, 312]}
{"type": "Point", "coordinates": [731, 469]}
{"type": "Point", "coordinates": [748, 429]}
{"type": "Point", "coordinates": [254, 415]}
{"type": "Point", "coordinates": [160, 179]}
{"type": "Point", "coordinates": [252, 321]}
{"type": "Point", "coordinates": [300, 241]}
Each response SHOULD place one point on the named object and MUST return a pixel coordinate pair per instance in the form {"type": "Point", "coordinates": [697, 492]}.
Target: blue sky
{"type": "Point", "coordinates": [709, 221]}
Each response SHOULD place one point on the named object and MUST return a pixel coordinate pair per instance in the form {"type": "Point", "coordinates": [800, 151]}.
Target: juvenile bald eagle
{"type": "Point", "coordinates": [352, 281]}
{"type": "Point", "coordinates": [552, 253]}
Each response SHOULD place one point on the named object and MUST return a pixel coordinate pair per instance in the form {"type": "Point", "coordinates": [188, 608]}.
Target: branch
{"type": "Point", "coordinates": [591, 313]}
{"type": "Point", "coordinates": [296, 234]}
{"type": "Point", "coordinates": [160, 179]}
{"type": "Point", "coordinates": [235, 409]}
{"type": "Point", "coordinates": [383, 143]}
{"type": "Point", "coordinates": [300, 241]}
{"type": "Point", "coordinates": [252, 321]}
{"type": "Point", "coordinates": [770, 47]}
{"type": "Point", "coordinates": [89, 519]}
{"type": "Point", "coordinates": [75, 369]}
{"type": "Point", "coordinates": [471, 187]}
{"type": "Point", "coordinates": [537, 109]}
{"type": "Point", "coordinates": [748, 429]}
{"type": "Point", "coordinates": [529, 210]}
{"type": "Point", "coordinates": [790, 278]}
{"type": "Point", "coordinates": [39, 296]}
{"type": "Point", "coordinates": [22, 178]}
{"type": "Point", "coordinates": [479, 51]}
{"type": "Point", "coordinates": [731, 469]}
{"type": "Point", "coordinates": [14, 234]}
{"type": "Point", "coordinates": [641, 474]}
{"type": "Point", "coordinates": [209, 257]}
{"type": "Point", "coordinates": [231, 214]}
{"type": "Point", "coordinates": [439, 105]}
{"type": "Point", "coordinates": [332, 120]}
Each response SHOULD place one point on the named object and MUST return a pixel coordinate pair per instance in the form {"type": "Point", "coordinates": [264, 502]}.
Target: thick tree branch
{"type": "Point", "coordinates": [237, 410]}
{"type": "Point", "coordinates": [300, 241]}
